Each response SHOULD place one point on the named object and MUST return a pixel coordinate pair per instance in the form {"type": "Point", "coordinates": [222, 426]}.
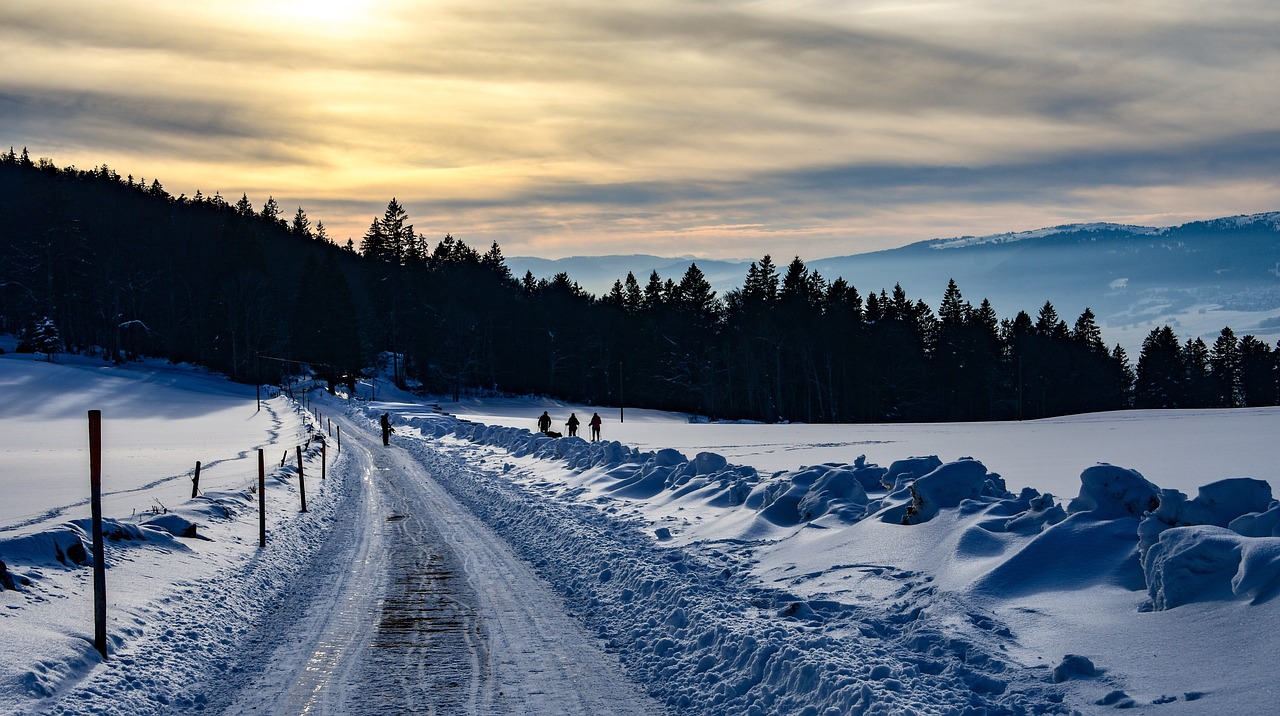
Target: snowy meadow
{"type": "Point", "coordinates": [1079, 564]}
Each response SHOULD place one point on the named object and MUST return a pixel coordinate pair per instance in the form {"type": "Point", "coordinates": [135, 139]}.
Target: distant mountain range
{"type": "Point", "coordinates": [1197, 277]}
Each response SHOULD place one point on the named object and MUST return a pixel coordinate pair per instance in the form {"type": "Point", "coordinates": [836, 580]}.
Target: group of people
{"type": "Point", "coordinates": [544, 425]}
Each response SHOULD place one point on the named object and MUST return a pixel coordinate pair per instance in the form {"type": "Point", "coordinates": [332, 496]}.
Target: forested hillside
{"type": "Point", "coordinates": [94, 262]}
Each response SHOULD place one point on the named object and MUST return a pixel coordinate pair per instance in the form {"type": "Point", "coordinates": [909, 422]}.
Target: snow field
{"type": "Point", "coordinates": [724, 585]}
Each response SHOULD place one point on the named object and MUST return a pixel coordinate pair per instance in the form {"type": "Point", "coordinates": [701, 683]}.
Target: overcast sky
{"type": "Point", "coordinates": [716, 128]}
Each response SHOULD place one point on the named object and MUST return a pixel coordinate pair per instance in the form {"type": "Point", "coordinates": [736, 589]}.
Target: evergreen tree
{"type": "Point", "coordinates": [271, 212]}
{"type": "Point", "coordinates": [494, 261]}
{"type": "Point", "coordinates": [1126, 378]}
{"type": "Point", "coordinates": [1199, 384]}
{"type": "Point", "coordinates": [1088, 334]}
{"type": "Point", "coordinates": [633, 298]}
{"type": "Point", "coordinates": [397, 232]}
{"type": "Point", "coordinates": [654, 296]}
{"type": "Point", "coordinates": [45, 338]}
{"type": "Point", "coordinates": [1225, 367]}
{"type": "Point", "coordinates": [301, 225]}
{"type": "Point", "coordinates": [1161, 380]}
{"type": "Point", "coordinates": [375, 244]}
{"type": "Point", "coordinates": [1258, 373]}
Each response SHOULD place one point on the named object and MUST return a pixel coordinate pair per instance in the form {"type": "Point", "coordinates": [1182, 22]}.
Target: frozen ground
{"type": "Point", "coordinates": [673, 563]}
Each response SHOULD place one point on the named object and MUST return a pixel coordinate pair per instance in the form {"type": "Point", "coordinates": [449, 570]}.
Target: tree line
{"type": "Point", "coordinates": [123, 268]}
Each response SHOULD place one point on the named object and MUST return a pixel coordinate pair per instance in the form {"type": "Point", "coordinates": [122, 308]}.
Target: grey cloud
{"type": "Point", "coordinates": [206, 129]}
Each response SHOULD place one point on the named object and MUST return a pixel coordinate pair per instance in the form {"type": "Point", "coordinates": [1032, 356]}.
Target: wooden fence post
{"type": "Point", "coordinates": [324, 458]}
{"type": "Point", "coordinates": [302, 485]}
{"type": "Point", "coordinates": [195, 481]}
{"type": "Point", "coordinates": [262, 499]}
{"type": "Point", "coordinates": [99, 553]}
{"type": "Point", "coordinates": [330, 427]}
{"type": "Point", "coordinates": [339, 438]}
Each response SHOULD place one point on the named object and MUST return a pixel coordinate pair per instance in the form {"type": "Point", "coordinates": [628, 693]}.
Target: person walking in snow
{"type": "Point", "coordinates": [544, 422]}
{"type": "Point", "coordinates": [595, 426]}
{"type": "Point", "coordinates": [572, 425]}
{"type": "Point", "coordinates": [386, 429]}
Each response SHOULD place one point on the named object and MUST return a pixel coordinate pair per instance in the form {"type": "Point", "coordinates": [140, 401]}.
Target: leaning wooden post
{"type": "Point", "coordinates": [302, 484]}
{"type": "Point", "coordinates": [195, 481]}
{"type": "Point", "coordinates": [99, 554]}
{"type": "Point", "coordinates": [262, 499]}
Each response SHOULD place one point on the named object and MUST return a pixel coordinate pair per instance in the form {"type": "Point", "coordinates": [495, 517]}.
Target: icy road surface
{"type": "Point", "coordinates": [425, 610]}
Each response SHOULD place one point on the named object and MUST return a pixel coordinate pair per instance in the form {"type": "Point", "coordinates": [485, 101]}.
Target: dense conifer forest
{"type": "Point", "coordinates": [92, 262]}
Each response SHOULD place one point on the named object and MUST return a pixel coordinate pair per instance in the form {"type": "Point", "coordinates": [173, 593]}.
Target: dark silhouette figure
{"type": "Point", "coordinates": [595, 426]}
{"type": "Point", "coordinates": [544, 422]}
{"type": "Point", "coordinates": [386, 429]}
{"type": "Point", "coordinates": [572, 423]}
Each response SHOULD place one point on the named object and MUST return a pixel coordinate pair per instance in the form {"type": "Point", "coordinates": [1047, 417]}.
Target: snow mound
{"type": "Point", "coordinates": [1219, 545]}
{"type": "Point", "coordinates": [804, 495]}
{"type": "Point", "coordinates": [949, 485]}
{"type": "Point", "coordinates": [1110, 492]}
{"type": "Point", "coordinates": [1207, 563]}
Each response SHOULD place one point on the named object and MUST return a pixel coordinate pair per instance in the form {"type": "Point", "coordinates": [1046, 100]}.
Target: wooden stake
{"type": "Point", "coordinates": [262, 499]}
{"type": "Point", "coordinates": [195, 481]}
{"type": "Point", "coordinates": [302, 484]}
{"type": "Point", "coordinates": [99, 553]}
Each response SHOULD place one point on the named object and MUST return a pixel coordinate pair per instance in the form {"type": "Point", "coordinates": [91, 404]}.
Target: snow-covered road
{"type": "Point", "coordinates": [424, 610]}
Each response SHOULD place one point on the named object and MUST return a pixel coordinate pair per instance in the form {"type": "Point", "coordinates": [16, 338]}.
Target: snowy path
{"type": "Point", "coordinates": [425, 610]}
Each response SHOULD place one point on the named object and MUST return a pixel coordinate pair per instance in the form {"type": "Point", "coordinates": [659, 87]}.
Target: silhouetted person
{"type": "Point", "coordinates": [595, 426]}
{"type": "Point", "coordinates": [572, 423]}
{"type": "Point", "coordinates": [544, 422]}
{"type": "Point", "coordinates": [386, 429]}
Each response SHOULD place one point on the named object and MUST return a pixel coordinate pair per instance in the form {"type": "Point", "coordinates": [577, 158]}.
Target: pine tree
{"type": "Point", "coordinates": [375, 245]}
{"type": "Point", "coordinates": [633, 300]}
{"type": "Point", "coordinates": [1088, 334]}
{"type": "Point", "coordinates": [271, 212]}
{"type": "Point", "coordinates": [1199, 384]}
{"type": "Point", "coordinates": [1225, 367]}
{"type": "Point", "coordinates": [494, 261]}
{"type": "Point", "coordinates": [653, 292]}
{"type": "Point", "coordinates": [1258, 373]}
{"type": "Point", "coordinates": [1161, 381]}
{"type": "Point", "coordinates": [301, 225]}
{"type": "Point", "coordinates": [397, 232]}
{"type": "Point", "coordinates": [45, 338]}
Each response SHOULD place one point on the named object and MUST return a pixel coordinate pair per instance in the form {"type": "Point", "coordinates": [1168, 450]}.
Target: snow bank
{"type": "Point", "coordinates": [1219, 545]}
{"type": "Point", "coordinates": [1110, 533]}
{"type": "Point", "coordinates": [695, 627]}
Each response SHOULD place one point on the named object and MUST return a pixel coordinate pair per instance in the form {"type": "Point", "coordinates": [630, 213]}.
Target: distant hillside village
{"type": "Point", "coordinates": [95, 263]}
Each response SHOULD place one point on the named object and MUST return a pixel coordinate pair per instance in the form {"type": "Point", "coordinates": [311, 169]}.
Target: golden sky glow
{"type": "Point", "coordinates": [713, 128]}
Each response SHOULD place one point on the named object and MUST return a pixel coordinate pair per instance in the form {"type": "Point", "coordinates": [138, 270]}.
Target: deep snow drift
{"type": "Point", "coordinates": [889, 583]}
